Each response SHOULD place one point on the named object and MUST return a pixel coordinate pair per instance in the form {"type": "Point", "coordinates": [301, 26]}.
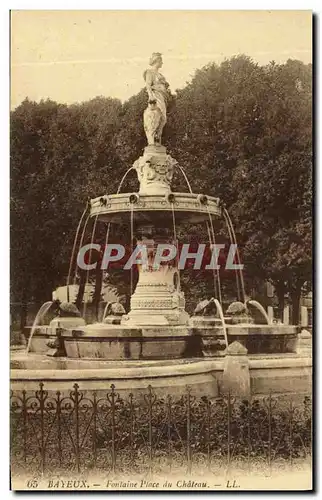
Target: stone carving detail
{"type": "Point", "coordinates": [236, 349]}
{"type": "Point", "coordinates": [155, 171]}
{"type": "Point", "coordinates": [155, 285]}
{"type": "Point", "coordinates": [56, 345]}
{"type": "Point", "coordinates": [238, 313]}
{"type": "Point", "coordinates": [154, 304]}
{"type": "Point", "coordinates": [113, 313]}
{"type": "Point", "coordinates": [66, 309]}
{"type": "Point", "coordinates": [206, 308]}
{"type": "Point", "coordinates": [212, 346]}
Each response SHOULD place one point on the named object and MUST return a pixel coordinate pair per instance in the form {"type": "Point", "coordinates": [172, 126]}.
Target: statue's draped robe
{"type": "Point", "coordinates": [157, 87]}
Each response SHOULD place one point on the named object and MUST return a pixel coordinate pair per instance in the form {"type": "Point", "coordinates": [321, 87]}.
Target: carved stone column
{"type": "Point", "coordinates": [157, 300]}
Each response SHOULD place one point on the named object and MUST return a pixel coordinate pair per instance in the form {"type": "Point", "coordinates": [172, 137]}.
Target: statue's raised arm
{"type": "Point", "coordinates": [155, 115]}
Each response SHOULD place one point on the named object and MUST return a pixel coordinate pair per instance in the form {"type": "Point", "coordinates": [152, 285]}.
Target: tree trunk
{"type": "Point", "coordinates": [81, 289]}
{"type": "Point", "coordinates": [24, 307]}
{"type": "Point", "coordinates": [98, 288]}
{"type": "Point", "coordinates": [280, 292]}
{"type": "Point", "coordinates": [295, 299]}
{"type": "Point", "coordinates": [23, 315]}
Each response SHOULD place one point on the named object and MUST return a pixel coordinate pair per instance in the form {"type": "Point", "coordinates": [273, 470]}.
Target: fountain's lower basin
{"type": "Point", "coordinates": [166, 358]}
{"type": "Point", "coordinates": [278, 373]}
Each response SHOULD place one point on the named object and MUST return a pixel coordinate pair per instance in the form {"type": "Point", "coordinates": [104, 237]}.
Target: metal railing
{"type": "Point", "coordinates": [84, 430]}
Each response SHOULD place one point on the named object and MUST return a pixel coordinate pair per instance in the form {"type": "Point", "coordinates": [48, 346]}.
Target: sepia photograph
{"type": "Point", "coordinates": [161, 284]}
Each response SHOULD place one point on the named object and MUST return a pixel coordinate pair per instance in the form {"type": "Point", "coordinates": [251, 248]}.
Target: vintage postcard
{"type": "Point", "coordinates": [161, 250]}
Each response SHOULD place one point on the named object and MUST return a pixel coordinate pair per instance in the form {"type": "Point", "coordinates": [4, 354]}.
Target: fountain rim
{"type": "Point", "coordinates": [183, 204]}
{"type": "Point", "coordinates": [129, 369]}
{"type": "Point", "coordinates": [151, 195]}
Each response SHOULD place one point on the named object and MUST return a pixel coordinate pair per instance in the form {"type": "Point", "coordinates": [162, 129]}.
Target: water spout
{"type": "Point", "coordinates": [132, 238]}
{"type": "Point", "coordinates": [107, 235]}
{"type": "Point", "coordinates": [105, 310]}
{"type": "Point", "coordinates": [89, 261]}
{"type": "Point", "coordinates": [123, 179]}
{"type": "Point", "coordinates": [260, 309]}
{"type": "Point", "coordinates": [239, 272]}
{"type": "Point", "coordinates": [184, 175]}
{"type": "Point", "coordinates": [211, 232]}
{"type": "Point", "coordinates": [80, 246]}
{"type": "Point", "coordinates": [221, 314]}
{"type": "Point", "coordinates": [236, 272]}
{"type": "Point", "coordinates": [176, 242]}
{"type": "Point", "coordinates": [73, 251]}
{"type": "Point", "coordinates": [39, 316]}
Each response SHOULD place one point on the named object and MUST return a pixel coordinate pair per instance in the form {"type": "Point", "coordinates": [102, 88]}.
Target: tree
{"type": "Point", "coordinates": [240, 131]}
{"type": "Point", "coordinates": [60, 155]}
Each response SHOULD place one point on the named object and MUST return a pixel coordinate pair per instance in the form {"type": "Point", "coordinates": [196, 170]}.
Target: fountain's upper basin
{"type": "Point", "coordinates": [188, 207]}
{"type": "Point", "coordinates": [117, 342]}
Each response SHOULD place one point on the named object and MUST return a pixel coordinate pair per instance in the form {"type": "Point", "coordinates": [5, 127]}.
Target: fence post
{"type": "Point", "coordinates": [189, 429]}
{"type": "Point", "coordinates": [41, 398]}
{"type": "Point", "coordinates": [208, 433]}
{"type": "Point", "coordinates": [113, 425]}
{"type": "Point", "coordinates": [150, 396]}
{"type": "Point", "coordinates": [228, 430]}
{"type": "Point", "coordinates": [169, 431]}
{"type": "Point", "coordinates": [270, 432]}
{"type": "Point", "coordinates": [131, 426]}
{"type": "Point", "coordinates": [94, 429]}
{"type": "Point", "coordinates": [24, 409]}
{"type": "Point", "coordinates": [59, 427]}
{"type": "Point", "coordinates": [291, 432]}
{"type": "Point", "coordinates": [249, 434]}
{"type": "Point", "coordinates": [76, 402]}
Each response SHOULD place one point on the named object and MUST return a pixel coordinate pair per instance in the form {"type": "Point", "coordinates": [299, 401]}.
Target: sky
{"type": "Point", "coordinates": [72, 56]}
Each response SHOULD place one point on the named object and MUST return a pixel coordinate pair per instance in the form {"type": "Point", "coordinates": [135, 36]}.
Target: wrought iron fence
{"type": "Point", "coordinates": [79, 432]}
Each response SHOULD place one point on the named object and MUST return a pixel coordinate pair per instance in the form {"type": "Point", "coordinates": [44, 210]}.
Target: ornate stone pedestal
{"type": "Point", "coordinates": [155, 170]}
{"type": "Point", "coordinates": [157, 300]}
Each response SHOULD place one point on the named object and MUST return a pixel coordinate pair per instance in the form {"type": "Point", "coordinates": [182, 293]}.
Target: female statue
{"type": "Point", "coordinates": [155, 116]}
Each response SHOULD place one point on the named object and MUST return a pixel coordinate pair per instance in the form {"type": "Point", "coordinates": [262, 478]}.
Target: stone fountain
{"type": "Point", "coordinates": [156, 342]}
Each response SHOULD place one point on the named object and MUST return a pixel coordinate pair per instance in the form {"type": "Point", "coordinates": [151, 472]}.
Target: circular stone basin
{"type": "Point", "coordinates": [119, 342]}
{"type": "Point", "coordinates": [165, 377]}
{"type": "Point", "coordinates": [265, 338]}
{"type": "Point", "coordinates": [187, 206]}
{"type": "Point", "coordinates": [282, 373]}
